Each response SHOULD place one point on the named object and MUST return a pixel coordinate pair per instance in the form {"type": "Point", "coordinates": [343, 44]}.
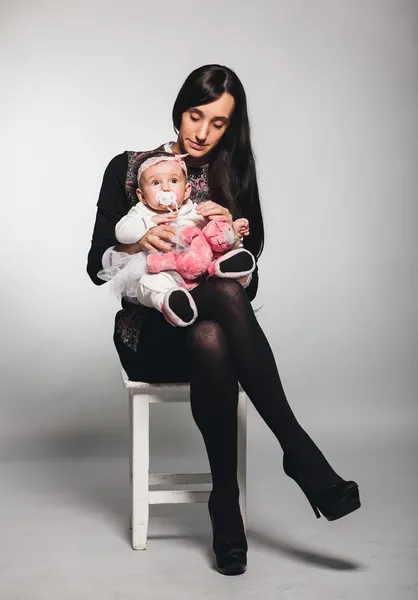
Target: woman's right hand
{"type": "Point", "coordinates": [158, 238]}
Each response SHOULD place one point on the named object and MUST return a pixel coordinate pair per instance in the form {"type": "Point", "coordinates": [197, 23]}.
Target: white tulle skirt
{"type": "Point", "coordinates": [126, 271]}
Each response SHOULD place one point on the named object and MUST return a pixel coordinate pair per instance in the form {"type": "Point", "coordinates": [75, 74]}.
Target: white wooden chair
{"type": "Point", "coordinates": [141, 395]}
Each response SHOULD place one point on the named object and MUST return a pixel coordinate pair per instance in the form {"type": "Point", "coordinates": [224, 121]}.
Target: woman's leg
{"type": "Point", "coordinates": [214, 400]}
{"type": "Point", "coordinates": [199, 354]}
{"type": "Point", "coordinates": [227, 303]}
{"type": "Point", "coordinates": [202, 357]}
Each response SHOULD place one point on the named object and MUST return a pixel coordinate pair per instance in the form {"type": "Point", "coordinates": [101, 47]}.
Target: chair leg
{"type": "Point", "coordinates": [131, 438]}
{"type": "Point", "coordinates": [242, 454]}
{"type": "Point", "coordinates": [139, 414]}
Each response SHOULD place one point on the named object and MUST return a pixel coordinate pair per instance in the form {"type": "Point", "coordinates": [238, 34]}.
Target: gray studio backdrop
{"type": "Point", "coordinates": [332, 93]}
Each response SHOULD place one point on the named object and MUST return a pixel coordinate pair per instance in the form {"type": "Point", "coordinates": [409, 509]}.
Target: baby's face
{"type": "Point", "coordinates": [166, 176]}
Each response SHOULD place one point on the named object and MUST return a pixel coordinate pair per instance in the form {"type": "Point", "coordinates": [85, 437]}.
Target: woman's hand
{"type": "Point", "coordinates": [164, 218]}
{"type": "Point", "coordinates": [210, 210]}
{"type": "Point", "coordinates": [158, 238]}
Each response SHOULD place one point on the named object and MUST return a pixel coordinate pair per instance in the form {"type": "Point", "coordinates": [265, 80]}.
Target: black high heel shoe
{"type": "Point", "coordinates": [229, 540]}
{"type": "Point", "coordinates": [333, 502]}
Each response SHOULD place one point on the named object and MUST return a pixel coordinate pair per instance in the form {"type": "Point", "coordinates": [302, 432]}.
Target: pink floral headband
{"type": "Point", "coordinates": [157, 159]}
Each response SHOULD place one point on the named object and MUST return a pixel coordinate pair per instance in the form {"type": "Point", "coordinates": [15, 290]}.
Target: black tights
{"type": "Point", "coordinates": [227, 345]}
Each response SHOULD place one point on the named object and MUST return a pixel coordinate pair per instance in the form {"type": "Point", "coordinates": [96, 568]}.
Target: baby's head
{"type": "Point", "coordinates": [162, 181]}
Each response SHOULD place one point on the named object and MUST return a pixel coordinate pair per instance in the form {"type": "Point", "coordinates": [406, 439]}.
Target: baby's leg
{"type": "Point", "coordinates": [153, 287]}
{"type": "Point", "coordinates": [161, 291]}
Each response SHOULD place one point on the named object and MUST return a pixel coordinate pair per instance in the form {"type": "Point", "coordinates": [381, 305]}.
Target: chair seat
{"type": "Point", "coordinates": [158, 392]}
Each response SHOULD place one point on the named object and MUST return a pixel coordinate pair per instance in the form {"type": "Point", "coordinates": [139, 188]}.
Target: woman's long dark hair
{"type": "Point", "coordinates": [232, 174]}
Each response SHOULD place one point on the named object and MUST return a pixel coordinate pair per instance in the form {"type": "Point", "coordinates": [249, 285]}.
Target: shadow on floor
{"type": "Point", "coordinates": [90, 468]}
{"type": "Point", "coordinates": [303, 555]}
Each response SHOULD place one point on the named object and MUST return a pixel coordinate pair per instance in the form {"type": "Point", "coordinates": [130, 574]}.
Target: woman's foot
{"type": "Point", "coordinates": [337, 501]}
{"type": "Point", "coordinates": [179, 308]}
{"type": "Point", "coordinates": [229, 540]}
{"type": "Point", "coordinates": [334, 502]}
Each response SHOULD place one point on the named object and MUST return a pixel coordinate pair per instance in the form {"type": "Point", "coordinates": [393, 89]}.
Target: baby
{"type": "Point", "coordinates": [163, 193]}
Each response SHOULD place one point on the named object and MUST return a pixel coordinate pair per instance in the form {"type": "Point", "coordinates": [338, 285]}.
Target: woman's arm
{"type": "Point", "coordinates": [252, 288]}
{"type": "Point", "coordinates": [112, 205]}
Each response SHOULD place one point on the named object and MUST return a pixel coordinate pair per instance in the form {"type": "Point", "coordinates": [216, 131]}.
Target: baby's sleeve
{"type": "Point", "coordinates": [133, 226]}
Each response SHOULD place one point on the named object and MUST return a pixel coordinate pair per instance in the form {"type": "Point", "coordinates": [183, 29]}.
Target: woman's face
{"type": "Point", "coordinates": [202, 127]}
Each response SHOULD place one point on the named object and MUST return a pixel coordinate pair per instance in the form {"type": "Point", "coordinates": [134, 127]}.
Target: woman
{"type": "Point", "coordinates": [226, 345]}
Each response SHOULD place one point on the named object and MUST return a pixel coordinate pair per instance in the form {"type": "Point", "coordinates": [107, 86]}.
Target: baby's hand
{"type": "Point", "coordinates": [164, 218]}
{"type": "Point", "coordinates": [241, 227]}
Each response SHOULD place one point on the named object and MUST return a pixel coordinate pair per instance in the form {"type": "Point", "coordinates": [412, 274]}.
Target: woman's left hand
{"type": "Point", "coordinates": [210, 210]}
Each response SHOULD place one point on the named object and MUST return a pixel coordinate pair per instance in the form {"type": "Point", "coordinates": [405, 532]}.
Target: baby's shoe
{"type": "Point", "coordinates": [235, 264]}
{"type": "Point", "coordinates": [179, 308]}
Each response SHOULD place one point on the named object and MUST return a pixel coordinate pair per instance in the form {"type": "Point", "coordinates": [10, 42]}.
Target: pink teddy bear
{"type": "Point", "coordinates": [209, 251]}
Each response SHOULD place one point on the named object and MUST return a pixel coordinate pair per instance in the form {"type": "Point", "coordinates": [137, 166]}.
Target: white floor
{"type": "Point", "coordinates": [63, 524]}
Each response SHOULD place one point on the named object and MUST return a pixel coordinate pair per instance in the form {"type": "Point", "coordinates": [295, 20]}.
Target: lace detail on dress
{"type": "Point", "coordinates": [198, 178]}
{"type": "Point", "coordinates": [128, 327]}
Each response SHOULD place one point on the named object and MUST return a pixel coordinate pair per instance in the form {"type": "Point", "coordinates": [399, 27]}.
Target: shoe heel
{"type": "Point", "coordinates": [311, 502]}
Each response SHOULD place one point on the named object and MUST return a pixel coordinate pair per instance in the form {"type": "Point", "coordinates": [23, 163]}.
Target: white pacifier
{"type": "Point", "coordinates": [167, 199]}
